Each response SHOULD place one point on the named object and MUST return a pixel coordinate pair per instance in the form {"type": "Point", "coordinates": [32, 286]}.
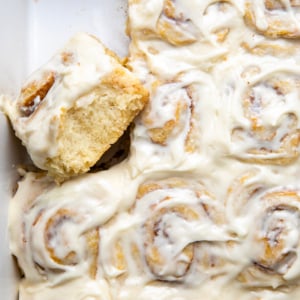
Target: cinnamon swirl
{"type": "Point", "coordinates": [171, 203]}
{"type": "Point", "coordinates": [274, 19]}
{"type": "Point", "coordinates": [207, 202]}
{"type": "Point", "coordinates": [176, 103]}
{"type": "Point", "coordinates": [55, 233]}
{"type": "Point", "coordinates": [174, 36]}
{"type": "Point", "coordinates": [273, 216]}
{"type": "Point", "coordinates": [169, 129]}
{"type": "Point", "coordinates": [174, 27]}
{"type": "Point", "coordinates": [53, 242]}
{"type": "Point", "coordinates": [73, 108]}
{"type": "Point", "coordinates": [174, 234]}
{"type": "Point", "coordinates": [269, 117]}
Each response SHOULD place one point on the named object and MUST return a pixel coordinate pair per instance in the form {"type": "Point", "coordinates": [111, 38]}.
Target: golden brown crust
{"type": "Point", "coordinates": [86, 132]}
{"type": "Point", "coordinates": [82, 124]}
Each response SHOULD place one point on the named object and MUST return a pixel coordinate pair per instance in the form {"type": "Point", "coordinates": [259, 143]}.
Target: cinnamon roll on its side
{"type": "Point", "coordinates": [71, 110]}
{"type": "Point", "coordinates": [273, 18]}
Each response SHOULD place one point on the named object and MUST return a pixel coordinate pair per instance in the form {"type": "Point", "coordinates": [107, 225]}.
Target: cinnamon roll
{"type": "Point", "coordinates": [270, 107]}
{"type": "Point", "coordinates": [207, 203]}
{"type": "Point", "coordinates": [170, 127]}
{"type": "Point", "coordinates": [273, 238]}
{"type": "Point", "coordinates": [174, 26]}
{"type": "Point", "coordinates": [55, 232]}
{"type": "Point", "coordinates": [176, 36]}
{"type": "Point", "coordinates": [220, 21]}
{"type": "Point", "coordinates": [73, 108]}
{"type": "Point", "coordinates": [273, 18]}
{"type": "Point", "coordinates": [60, 246]}
{"type": "Point", "coordinates": [55, 248]}
{"type": "Point", "coordinates": [177, 104]}
{"type": "Point", "coordinates": [168, 203]}
{"type": "Point", "coordinates": [174, 233]}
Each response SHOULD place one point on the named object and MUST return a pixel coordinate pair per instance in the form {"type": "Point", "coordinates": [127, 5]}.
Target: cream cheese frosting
{"type": "Point", "coordinates": [71, 73]}
{"type": "Point", "coordinates": [207, 205]}
{"type": "Point", "coordinates": [208, 228]}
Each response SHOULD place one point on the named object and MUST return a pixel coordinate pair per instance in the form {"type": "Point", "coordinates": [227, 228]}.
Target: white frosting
{"type": "Point", "coordinates": [80, 289]}
{"type": "Point", "coordinates": [85, 65]}
{"type": "Point", "coordinates": [213, 210]}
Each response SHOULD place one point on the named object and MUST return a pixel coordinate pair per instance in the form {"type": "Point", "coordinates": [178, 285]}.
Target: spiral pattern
{"type": "Point", "coordinates": [273, 18]}
{"type": "Point", "coordinates": [171, 114]}
{"type": "Point", "coordinates": [174, 27]}
{"type": "Point", "coordinates": [34, 92]}
{"type": "Point", "coordinates": [156, 230]}
{"type": "Point", "coordinates": [65, 249]}
{"type": "Point", "coordinates": [271, 138]}
{"type": "Point", "coordinates": [207, 204]}
{"type": "Point", "coordinates": [170, 128]}
{"type": "Point", "coordinates": [60, 245]}
{"type": "Point", "coordinates": [217, 21]}
{"type": "Point", "coordinates": [58, 232]}
{"type": "Point", "coordinates": [273, 228]}
{"type": "Point", "coordinates": [169, 239]}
